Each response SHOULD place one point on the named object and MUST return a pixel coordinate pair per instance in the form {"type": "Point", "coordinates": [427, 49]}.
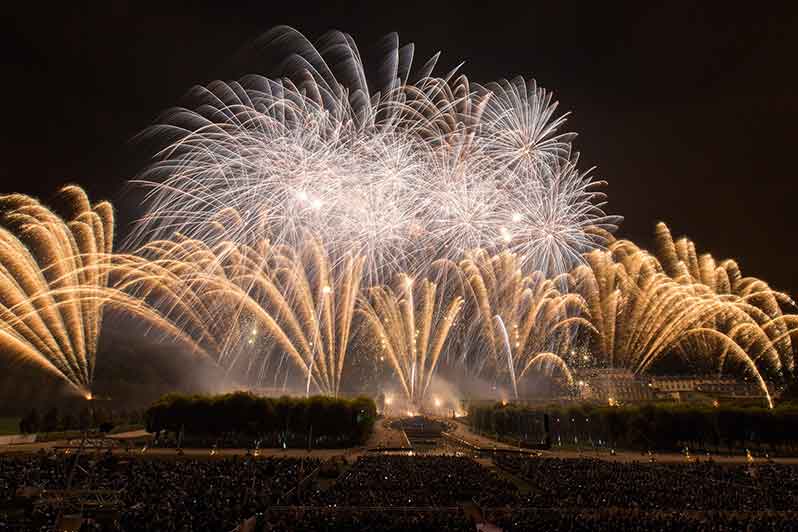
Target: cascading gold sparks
{"type": "Point", "coordinates": [51, 269]}
{"type": "Point", "coordinates": [411, 327]}
{"type": "Point", "coordinates": [254, 306]}
{"type": "Point", "coordinates": [54, 276]}
{"type": "Point", "coordinates": [634, 313]}
{"type": "Point", "coordinates": [262, 307]}
{"type": "Point", "coordinates": [688, 307]}
{"type": "Point", "coordinates": [681, 261]}
{"type": "Point", "coordinates": [514, 318]}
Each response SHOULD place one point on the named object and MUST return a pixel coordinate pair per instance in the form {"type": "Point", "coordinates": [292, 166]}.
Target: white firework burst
{"type": "Point", "coordinates": [400, 171]}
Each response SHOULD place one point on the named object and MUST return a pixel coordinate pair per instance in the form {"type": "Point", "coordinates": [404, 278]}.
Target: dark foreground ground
{"type": "Point", "coordinates": [452, 482]}
{"type": "Point", "coordinates": [449, 489]}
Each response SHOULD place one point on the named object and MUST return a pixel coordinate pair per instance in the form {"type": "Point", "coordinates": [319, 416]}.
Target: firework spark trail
{"type": "Point", "coordinates": [105, 297]}
{"type": "Point", "coordinates": [243, 301]}
{"type": "Point", "coordinates": [407, 169]}
{"type": "Point", "coordinates": [680, 261]}
{"type": "Point", "coordinates": [545, 363]}
{"type": "Point", "coordinates": [55, 279]}
{"type": "Point", "coordinates": [514, 317]}
{"type": "Point", "coordinates": [43, 259]}
{"type": "Point", "coordinates": [189, 285]}
{"type": "Point", "coordinates": [412, 328]}
{"type": "Point", "coordinates": [508, 352]}
{"type": "Point", "coordinates": [644, 311]}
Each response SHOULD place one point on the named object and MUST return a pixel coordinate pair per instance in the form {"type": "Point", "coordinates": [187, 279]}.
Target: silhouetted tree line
{"type": "Point", "coordinates": [293, 422]}
{"type": "Point", "coordinates": [650, 426]}
{"type": "Point", "coordinates": [55, 420]}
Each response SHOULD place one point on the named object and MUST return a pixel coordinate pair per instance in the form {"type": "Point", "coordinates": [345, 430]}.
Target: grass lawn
{"type": "Point", "coordinates": [9, 425]}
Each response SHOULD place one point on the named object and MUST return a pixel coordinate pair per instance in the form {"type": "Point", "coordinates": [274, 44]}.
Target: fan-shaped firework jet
{"type": "Point", "coordinates": [643, 315]}
{"type": "Point", "coordinates": [513, 317]}
{"type": "Point", "coordinates": [51, 269]}
{"type": "Point", "coordinates": [403, 170]}
{"type": "Point", "coordinates": [269, 309]}
{"type": "Point", "coordinates": [411, 327]}
{"type": "Point", "coordinates": [253, 306]}
{"type": "Point", "coordinates": [681, 262]}
{"type": "Point", "coordinates": [54, 275]}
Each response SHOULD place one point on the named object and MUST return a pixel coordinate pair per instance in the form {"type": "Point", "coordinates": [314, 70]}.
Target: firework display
{"type": "Point", "coordinates": [517, 321]}
{"type": "Point", "coordinates": [57, 280]}
{"type": "Point", "coordinates": [446, 225]}
{"type": "Point", "coordinates": [403, 169]}
{"type": "Point", "coordinates": [51, 267]}
{"type": "Point", "coordinates": [411, 328]}
{"type": "Point", "coordinates": [642, 314]}
{"type": "Point", "coordinates": [251, 308]}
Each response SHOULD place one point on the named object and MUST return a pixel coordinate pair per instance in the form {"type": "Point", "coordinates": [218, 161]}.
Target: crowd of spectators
{"type": "Point", "coordinates": [626, 520]}
{"type": "Point", "coordinates": [333, 519]}
{"type": "Point", "coordinates": [156, 493]}
{"type": "Point", "coordinates": [592, 494]}
{"type": "Point", "coordinates": [707, 485]}
{"type": "Point", "coordinates": [402, 492]}
{"type": "Point", "coordinates": [426, 481]}
{"type": "Point", "coordinates": [172, 440]}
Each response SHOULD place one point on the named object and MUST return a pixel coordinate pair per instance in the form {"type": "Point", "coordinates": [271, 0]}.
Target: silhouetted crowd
{"type": "Point", "coordinates": [429, 480]}
{"type": "Point", "coordinates": [587, 494]}
{"type": "Point", "coordinates": [156, 493]}
{"type": "Point", "coordinates": [397, 493]}
{"type": "Point", "coordinates": [625, 520]}
{"type": "Point", "coordinates": [589, 483]}
{"type": "Point", "coordinates": [331, 519]}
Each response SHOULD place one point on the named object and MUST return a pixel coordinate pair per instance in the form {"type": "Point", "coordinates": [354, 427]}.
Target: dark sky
{"type": "Point", "coordinates": [689, 112]}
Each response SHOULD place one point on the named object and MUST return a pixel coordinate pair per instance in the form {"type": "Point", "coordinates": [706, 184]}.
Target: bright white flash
{"type": "Point", "coordinates": [404, 170]}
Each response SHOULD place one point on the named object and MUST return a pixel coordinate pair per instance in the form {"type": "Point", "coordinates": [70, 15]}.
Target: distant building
{"type": "Point", "coordinates": [623, 386]}
{"type": "Point", "coordinates": [681, 388]}
{"type": "Point", "coordinates": [612, 385]}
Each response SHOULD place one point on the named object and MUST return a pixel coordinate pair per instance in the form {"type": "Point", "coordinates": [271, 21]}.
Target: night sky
{"type": "Point", "coordinates": [688, 112]}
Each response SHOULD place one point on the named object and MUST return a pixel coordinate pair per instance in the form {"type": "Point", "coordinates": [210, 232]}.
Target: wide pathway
{"type": "Point", "coordinates": [385, 437]}
{"type": "Point", "coordinates": [463, 432]}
